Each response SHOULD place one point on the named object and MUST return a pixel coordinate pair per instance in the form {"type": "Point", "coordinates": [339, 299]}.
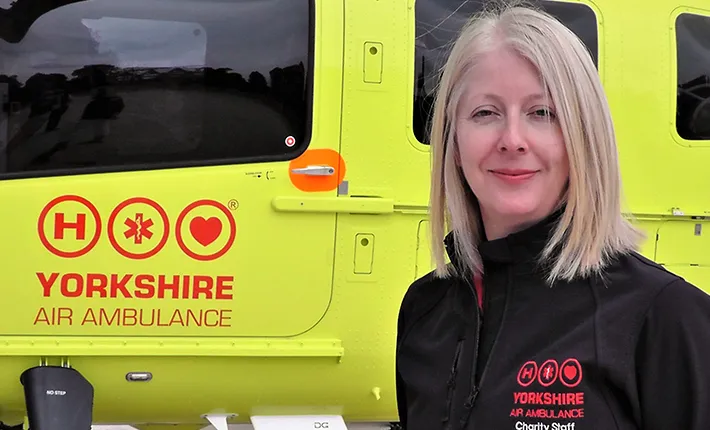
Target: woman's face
{"type": "Point", "coordinates": [511, 148]}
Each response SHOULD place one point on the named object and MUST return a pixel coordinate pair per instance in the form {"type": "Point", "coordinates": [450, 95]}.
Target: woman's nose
{"type": "Point", "coordinates": [513, 136]}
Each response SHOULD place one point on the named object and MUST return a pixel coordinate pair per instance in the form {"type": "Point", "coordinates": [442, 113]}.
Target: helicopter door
{"type": "Point", "coordinates": [173, 170]}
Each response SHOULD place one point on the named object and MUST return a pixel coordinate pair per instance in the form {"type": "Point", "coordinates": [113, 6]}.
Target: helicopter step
{"type": "Point", "coordinates": [57, 398]}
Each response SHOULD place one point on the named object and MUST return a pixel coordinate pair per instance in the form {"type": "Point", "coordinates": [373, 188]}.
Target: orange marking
{"type": "Point", "coordinates": [316, 157]}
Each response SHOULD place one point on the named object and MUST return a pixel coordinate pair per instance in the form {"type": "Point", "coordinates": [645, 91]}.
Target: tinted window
{"type": "Point", "coordinates": [693, 47]}
{"type": "Point", "coordinates": [437, 25]}
{"type": "Point", "coordinates": [118, 84]}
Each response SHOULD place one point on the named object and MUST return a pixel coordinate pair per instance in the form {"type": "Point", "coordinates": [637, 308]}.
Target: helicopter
{"type": "Point", "coordinates": [212, 209]}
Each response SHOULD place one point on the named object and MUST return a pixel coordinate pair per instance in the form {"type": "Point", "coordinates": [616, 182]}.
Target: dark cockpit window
{"type": "Point", "coordinates": [693, 57]}
{"type": "Point", "coordinates": [437, 25]}
{"type": "Point", "coordinates": [127, 84]}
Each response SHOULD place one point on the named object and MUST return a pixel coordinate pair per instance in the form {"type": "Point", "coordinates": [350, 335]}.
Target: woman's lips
{"type": "Point", "coordinates": [514, 176]}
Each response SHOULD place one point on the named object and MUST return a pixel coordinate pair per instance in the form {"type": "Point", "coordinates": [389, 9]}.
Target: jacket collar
{"type": "Point", "coordinates": [523, 246]}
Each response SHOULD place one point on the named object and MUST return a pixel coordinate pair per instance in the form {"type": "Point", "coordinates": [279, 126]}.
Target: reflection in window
{"type": "Point", "coordinates": [143, 43]}
{"type": "Point", "coordinates": [113, 85]}
{"type": "Point", "coordinates": [693, 103]}
{"type": "Point", "coordinates": [437, 25]}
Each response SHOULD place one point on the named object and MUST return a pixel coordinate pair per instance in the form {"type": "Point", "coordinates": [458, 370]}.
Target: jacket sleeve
{"type": "Point", "coordinates": [399, 383]}
{"type": "Point", "coordinates": [401, 403]}
{"type": "Point", "coordinates": [673, 360]}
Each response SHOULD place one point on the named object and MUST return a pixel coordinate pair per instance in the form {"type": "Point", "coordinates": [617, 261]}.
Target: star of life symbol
{"type": "Point", "coordinates": [548, 370]}
{"type": "Point", "coordinates": [138, 228]}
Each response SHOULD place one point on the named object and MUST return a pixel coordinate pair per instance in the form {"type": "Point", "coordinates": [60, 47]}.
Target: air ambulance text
{"type": "Point", "coordinates": [131, 317]}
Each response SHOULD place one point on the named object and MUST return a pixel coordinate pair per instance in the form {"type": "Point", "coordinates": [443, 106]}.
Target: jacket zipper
{"type": "Point", "coordinates": [475, 388]}
{"type": "Point", "coordinates": [451, 384]}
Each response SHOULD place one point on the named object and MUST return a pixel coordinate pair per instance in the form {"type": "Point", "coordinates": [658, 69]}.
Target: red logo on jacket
{"type": "Point", "coordinates": [569, 373]}
{"type": "Point", "coordinates": [546, 396]}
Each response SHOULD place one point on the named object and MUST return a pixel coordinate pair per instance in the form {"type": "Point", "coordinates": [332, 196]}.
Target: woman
{"type": "Point", "coordinates": [547, 317]}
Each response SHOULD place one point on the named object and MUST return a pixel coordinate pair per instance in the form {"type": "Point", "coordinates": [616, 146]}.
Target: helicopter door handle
{"type": "Point", "coordinates": [314, 171]}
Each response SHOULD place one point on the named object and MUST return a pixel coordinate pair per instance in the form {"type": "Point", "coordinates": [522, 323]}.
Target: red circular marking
{"type": "Point", "coordinates": [543, 373]}
{"type": "Point", "coordinates": [112, 220]}
{"type": "Point", "coordinates": [181, 219]}
{"type": "Point", "coordinates": [290, 141]}
{"type": "Point", "coordinates": [576, 378]}
{"type": "Point", "coordinates": [43, 236]}
{"type": "Point", "coordinates": [522, 376]}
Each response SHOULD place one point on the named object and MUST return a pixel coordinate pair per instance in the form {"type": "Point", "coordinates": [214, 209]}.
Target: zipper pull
{"type": "Point", "coordinates": [468, 406]}
{"type": "Point", "coordinates": [451, 383]}
{"type": "Point", "coordinates": [471, 398]}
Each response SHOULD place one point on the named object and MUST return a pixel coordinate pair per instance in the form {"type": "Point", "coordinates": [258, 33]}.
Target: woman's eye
{"type": "Point", "coordinates": [482, 113]}
{"type": "Point", "coordinates": [544, 112]}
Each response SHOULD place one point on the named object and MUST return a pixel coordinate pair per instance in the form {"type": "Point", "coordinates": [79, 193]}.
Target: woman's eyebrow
{"type": "Point", "coordinates": [496, 98]}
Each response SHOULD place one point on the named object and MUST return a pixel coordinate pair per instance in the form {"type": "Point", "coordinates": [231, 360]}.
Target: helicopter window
{"type": "Point", "coordinates": [437, 24]}
{"type": "Point", "coordinates": [106, 85]}
{"type": "Point", "coordinates": [693, 57]}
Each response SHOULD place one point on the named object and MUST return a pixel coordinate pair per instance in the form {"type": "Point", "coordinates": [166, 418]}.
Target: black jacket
{"type": "Point", "coordinates": [631, 351]}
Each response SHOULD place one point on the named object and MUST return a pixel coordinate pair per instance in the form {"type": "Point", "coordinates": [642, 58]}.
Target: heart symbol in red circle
{"type": "Point", "coordinates": [570, 372]}
{"type": "Point", "coordinates": [205, 231]}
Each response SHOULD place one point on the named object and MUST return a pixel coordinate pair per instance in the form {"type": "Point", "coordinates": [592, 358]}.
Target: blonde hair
{"type": "Point", "coordinates": [592, 228]}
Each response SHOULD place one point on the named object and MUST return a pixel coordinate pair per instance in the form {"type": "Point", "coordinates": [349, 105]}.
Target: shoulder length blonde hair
{"type": "Point", "coordinates": [592, 228]}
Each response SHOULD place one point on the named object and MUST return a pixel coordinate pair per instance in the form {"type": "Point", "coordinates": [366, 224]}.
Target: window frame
{"type": "Point", "coordinates": [674, 72]}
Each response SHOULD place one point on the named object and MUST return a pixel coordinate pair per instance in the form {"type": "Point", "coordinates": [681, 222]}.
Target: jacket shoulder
{"type": "Point", "coordinates": [672, 297]}
{"type": "Point", "coordinates": [637, 271]}
{"type": "Point", "coordinates": [672, 294]}
{"type": "Point", "coordinates": [421, 296]}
